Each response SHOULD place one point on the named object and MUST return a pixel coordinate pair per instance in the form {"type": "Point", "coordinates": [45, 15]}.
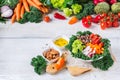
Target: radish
{"type": "Point", "coordinates": [112, 1]}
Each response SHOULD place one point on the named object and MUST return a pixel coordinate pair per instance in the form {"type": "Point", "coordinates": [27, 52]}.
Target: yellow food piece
{"type": "Point", "coordinates": [61, 42]}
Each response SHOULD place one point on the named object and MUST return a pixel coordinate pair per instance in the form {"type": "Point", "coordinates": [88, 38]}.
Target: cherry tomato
{"type": "Point", "coordinates": [46, 19]}
{"type": "Point", "coordinates": [103, 25]}
{"type": "Point", "coordinates": [115, 17]}
{"type": "Point", "coordinates": [86, 23]}
{"type": "Point", "coordinates": [119, 14]}
{"type": "Point", "coordinates": [103, 15]}
{"type": "Point", "coordinates": [115, 24]}
{"type": "Point", "coordinates": [89, 17]}
{"type": "Point", "coordinates": [109, 23]}
{"type": "Point", "coordinates": [96, 19]}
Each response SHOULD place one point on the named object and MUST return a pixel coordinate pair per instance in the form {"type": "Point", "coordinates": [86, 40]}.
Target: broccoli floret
{"type": "Point", "coordinates": [67, 11]}
{"type": "Point", "coordinates": [76, 8]}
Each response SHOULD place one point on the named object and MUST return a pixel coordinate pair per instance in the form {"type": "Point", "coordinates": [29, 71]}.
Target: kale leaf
{"type": "Point", "coordinates": [10, 3]}
{"type": "Point", "coordinates": [39, 64]}
{"type": "Point", "coordinates": [33, 16]}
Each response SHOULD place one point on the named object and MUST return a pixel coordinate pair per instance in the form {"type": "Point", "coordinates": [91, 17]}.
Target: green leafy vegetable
{"type": "Point", "coordinates": [67, 11]}
{"type": "Point", "coordinates": [33, 16]}
{"type": "Point", "coordinates": [10, 3]}
{"type": "Point", "coordinates": [104, 64]}
{"type": "Point", "coordinates": [2, 20]}
{"type": "Point", "coordinates": [39, 64]}
{"type": "Point", "coordinates": [77, 46]}
{"type": "Point", "coordinates": [46, 2]}
{"type": "Point", "coordinates": [88, 9]}
{"type": "Point", "coordinates": [76, 8]}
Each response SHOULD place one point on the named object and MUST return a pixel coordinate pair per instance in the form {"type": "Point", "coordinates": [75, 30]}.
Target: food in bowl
{"type": "Point", "coordinates": [60, 41]}
{"type": "Point", "coordinates": [51, 54]}
{"type": "Point", "coordinates": [88, 46]}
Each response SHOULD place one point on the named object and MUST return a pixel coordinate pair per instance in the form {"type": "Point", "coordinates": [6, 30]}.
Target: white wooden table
{"type": "Point", "coordinates": [19, 43]}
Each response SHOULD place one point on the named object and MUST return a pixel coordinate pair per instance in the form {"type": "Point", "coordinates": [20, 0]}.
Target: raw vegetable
{"type": "Point", "coordinates": [13, 18]}
{"type": "Point", "coordinates": [105, 63]}
{"type": "Point", "coordinates": [112, 1]}
{"type": "Point", "coordinates": [11, 3]}
{"type": "Point", "coordinates": [80, 54]}
{"type": "Point", "coordinates": [73, 20]}
{"type": "Point", "coordinates": [76, 8]}
{"type": "Point", "coordinates": [98, 1]}
{"type": "Point", "coordinates": [6, 12]}
{"type": "Point", "coordinates": [19, 5]}
{"type": "Point", "coordinates": [77, 46]}
{"type": "Point", "coordinates": [39, 64]}
{"type": "Point", "coordinates": [102, 7]}
{"type": "Point", "coordinates": [47, 19]}
{"type": "Point", "coordinates": [115, 7]}
{"type": "Point", "coordinates": [57, 3]}
{"type": "Point", "coordinates": [86, 10]}
{"type": "Point", "coordinates": [25, 3]}
{"type": "Point", "coordinates": [59, 16]}
{"type": "Point", "coordinates": [33, 16]}
{"type": "Point", "coordinates": [86, 23]}
{"type": "Point", "coordinates": [67, 11]}
{"type": "Point", "coordinates": [2, 20]}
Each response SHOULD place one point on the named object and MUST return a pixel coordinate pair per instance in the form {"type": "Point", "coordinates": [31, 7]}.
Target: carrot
{"type": "Point", "coordinates": [73, 20]}
{"type": "Point", "coordinates": [18, 10]}
{"type": "Point", "coordinates": [37, 2]}
{"type": "Point", "coordinates": [22, 12]}
{"type": "Point", "coordinates": [33, 4]}
{"type": "Point", "coordinates": [60, 63]}
{"type": "Point", "coordinates": [20, 1]}
{"type": "Point", "coordinates": [25, 3]}
{"type": "Point", "coordinates": [13, 18]}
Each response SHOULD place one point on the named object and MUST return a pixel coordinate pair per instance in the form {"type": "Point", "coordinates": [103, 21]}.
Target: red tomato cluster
{"type": "Point", "coordinates": [106, 20]}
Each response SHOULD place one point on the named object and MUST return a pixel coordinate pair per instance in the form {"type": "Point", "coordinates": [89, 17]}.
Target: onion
{"type": "Point", "coordinates": [6, 12]}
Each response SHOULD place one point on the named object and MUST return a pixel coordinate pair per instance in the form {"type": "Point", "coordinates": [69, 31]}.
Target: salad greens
{"type": "Point", "coordinates": [10, 3]}
{"type": "Point", "coordinates": [88, 9]}
{"type": "Point", "coordinates": [104, 64]}
{"type": "Point", "coordinates": [77, 46]}
{"type": "Point", "coordinates": [39, 64]}
{"type": "Point", "coordinates": [33, 16]}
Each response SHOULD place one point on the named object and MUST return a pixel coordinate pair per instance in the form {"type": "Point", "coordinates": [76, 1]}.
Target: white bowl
{"type": "Point", "coordinates": [64, 37]}
{"type": "Point", "coordinates": [53, 60]}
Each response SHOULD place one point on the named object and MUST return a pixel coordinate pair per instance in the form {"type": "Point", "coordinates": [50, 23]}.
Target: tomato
{"type": "Point", "coordinates": [96, 19]}
{"type": "Point", "coordinates": [46, 19]}
{"type": "Point", "coordinates": [86, 23]}
{"type": "Point", "coordinates": [115, 17]}
{"type": "Point", "coordinates": [119, 14]}
{"type": "Point", "coordinates": [115, 24]}
{"type": "Point", "coordinates": [89, 17]}
{"type": "Point", "coordinates": [103, 25]}
{"type": "Point", "coordinates": [109, 23]}
{"type": "Point", "coordinates": [92, 35]}
{"type": "Point", "coordinates": [97, 41]}
{"type": "Point", "coordinates": [104, 15]}
{"type": "Point", "coordinates": [83, 20]}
